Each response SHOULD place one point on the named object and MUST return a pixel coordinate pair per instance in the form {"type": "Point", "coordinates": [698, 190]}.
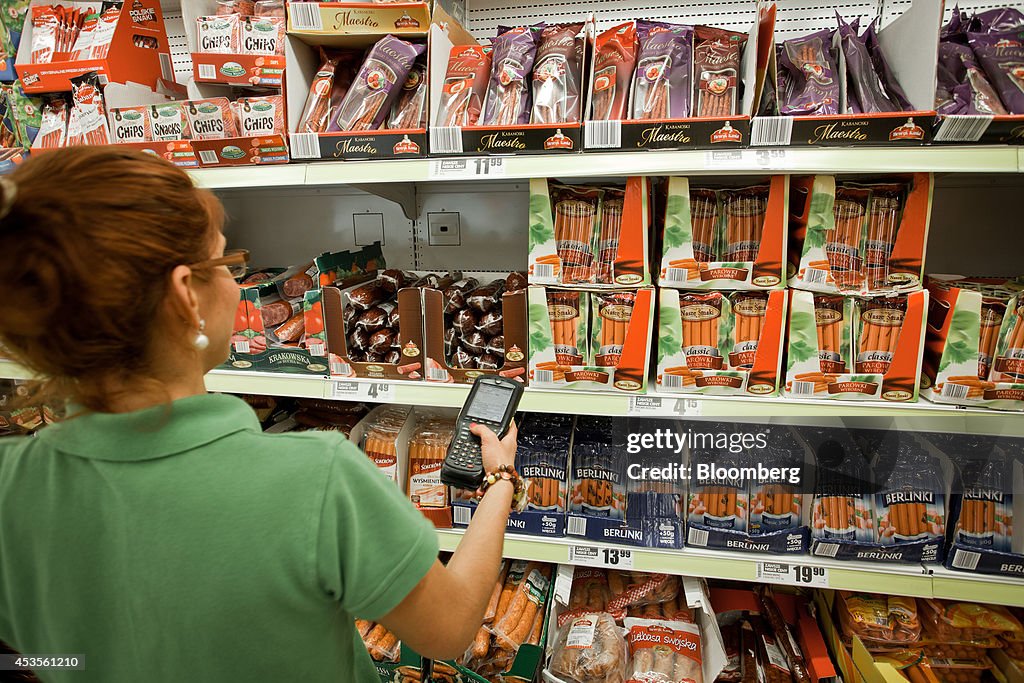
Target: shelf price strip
{"type": "Point", "coordinates": [479, 167]}
{"type": "Point", "coordinates": [792, 574]}
{"type": "Point", "coordinates": [361, 391]}
{"type": "Point", "coordinates": [592, 556]}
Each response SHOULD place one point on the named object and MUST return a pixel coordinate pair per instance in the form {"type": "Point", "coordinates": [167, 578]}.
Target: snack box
{"type": "Point", "coordinates": [742, 355]}
{"type": "Point", "coordinates": [125, 60]}
{"type": "Point", "coordinates": [124, 100]}
{"type": "Point", "coordinates": [257, 148]}
{"type": "Point", "coordinates": [595, 341]}
{"type": "Point", "coordinates": [593, 237]}
{"type": "Point", "coordinates": [974, 351]}
{"type": "Point", "coordinates": [724, 238]}
{"type": "Point", "coordinates": [241, 67]}
{"type": "Point", "coordinates": [863, 238]}
{"type": "Point", "coordinates": [840, 348]}
{"type": "Point", "coordinates": [910, 43]}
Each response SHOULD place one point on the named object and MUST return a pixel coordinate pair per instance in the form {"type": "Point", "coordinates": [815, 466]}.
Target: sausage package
{"type": "Point", "coordinates": [844, 348]}
{"type": "Point", "coordinates": [589, 236]}
{"type": "Point", "coordinates": [863, 239]}
{"type": "Point", "coordinates": [720, 343]}
{"type": "Point", "coordinates": [661, 84]}
{"type": "Point", "coordinates": [465, 85]}
{"type": "Point", "coordinates": [716, 68]}
{"type": "Point", "coordinates": [589, 648]}
{"type": "Point", "coordinates": [508, 90]}
{"type": "Point", "coordinates": [557, 74]}
{"type": "Point", "coordinates": [615, 54]}
{"type": "Point", "coordinates": [667, 651]}
{"type": "Point", "coordinates": [377, 84]}
{"type": "Point", "coordinates": [972, 329]}
{"type": "Point", "coordinates": [911, 505]}
{"type": "Point", "coordinates": [723, 239]}
{"type": "Point", "coordinates": [428, 446]}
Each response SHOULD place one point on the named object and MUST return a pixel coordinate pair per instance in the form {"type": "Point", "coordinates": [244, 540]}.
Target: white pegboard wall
{"type": "Point", "coordinates": [794, 18]}
{"type": "Point", "coordinates": [181, 57]}
{"type": "Point", "coordinates": [893, 8]}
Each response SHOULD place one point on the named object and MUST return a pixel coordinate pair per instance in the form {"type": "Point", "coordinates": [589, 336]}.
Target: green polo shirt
{"type": "Point", "coordinates": [184, 544]}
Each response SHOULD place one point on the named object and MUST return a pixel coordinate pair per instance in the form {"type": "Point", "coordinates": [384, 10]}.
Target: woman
{"type": "Point", "coordinates": [160, 533]}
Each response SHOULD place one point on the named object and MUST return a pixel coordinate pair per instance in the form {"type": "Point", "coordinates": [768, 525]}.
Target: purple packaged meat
{"type": "Point", "coordinates": [809, 85]}
{"type": "Point", "coordinates": [964, 85]}
{"type": "Point", "coordinates": [377, 84]}
{"type": "Point", "coordinates": [1000, 20]}
{"type": "Point", "coordinates": [508, 90]}
{"type": "Point", "coordinates": [889, 81]}
{"type": "Point", "coordinates": [861, 78]}
{"type": "Point", "coordinates": [1001, 56]}
{"type": "Point", "coordinates": [661, 82]}
{"type": "Point", "coordinates": [557, 75]}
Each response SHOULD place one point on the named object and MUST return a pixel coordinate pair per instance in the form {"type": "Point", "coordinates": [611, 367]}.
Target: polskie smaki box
{"type": "Point", "coordinates": [280, 326]}
{"type": "Point", "coordinates": [658, 85]}
{"type": "Point", "coordinates": [598, 341]}
{"type": "Point", "coordinates": [724, 237]}
{"type": "Point", "coordinates": [983, 503]}
{"type": "Point", "coordinates": [589, 236]}
{"type": "Point", "coordinates": [850, 87]}
{"type": "Point", "coordinates": [721, 343]}
{"type": "Point", "coordinates": [613, 495]}
{"type": "Point", "coordinates": [848, 349]}
{"type": "Point", "coordinates": [749, 500]}
{"type": "Point", "coordinates": [543, 461]}
{"type": "Point", "coordinates": [522, 94]}
{"type": "Point", "coordinates": [974, 351]}
{"type": "Point", "coordinates": [864, 238]}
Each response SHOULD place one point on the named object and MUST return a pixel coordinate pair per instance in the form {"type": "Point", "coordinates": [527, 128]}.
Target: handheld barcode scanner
{"type": "Point", "coordinates": [492, 402]}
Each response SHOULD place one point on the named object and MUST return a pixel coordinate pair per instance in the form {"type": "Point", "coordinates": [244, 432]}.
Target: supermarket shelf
{"type": "Point", "coordinates": [914, 416]}
{"type": "Point", "coordinates": [988, 159]}
{"type": "Point", "coordinates": [913, 580]}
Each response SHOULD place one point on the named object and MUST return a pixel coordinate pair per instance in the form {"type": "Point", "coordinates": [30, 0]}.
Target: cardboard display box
{"type": "Point", "coordinates": [228, 69]}
{"type": "Point", "coordinates": [974, 352]}
{"type": "Point", "coordinates": [178, 152]}
{"type": "Point", "coordinates": [124, 62]}
{"type": "Point", "coordinates": [825, 331]}
{"type": "Point", "coordinates": [863, 238]}
{"type": "Point", "coordinates": [910, 43]}
{"type": "Point", "coordinates": [725, 238]}
{"type": "Point", "coordinates": [593, 341]}
{"type": "Point", "coordinates": [403, 19]}
{"type": "Point", "coordinates": [607, 233]}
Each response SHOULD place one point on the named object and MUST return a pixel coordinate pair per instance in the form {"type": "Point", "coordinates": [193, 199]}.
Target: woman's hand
{"type": "Point", "coordinates": [495, 452]}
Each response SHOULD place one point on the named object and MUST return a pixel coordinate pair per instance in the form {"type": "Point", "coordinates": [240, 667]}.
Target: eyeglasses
{"type": "Point", "coordinates": [236, 261]}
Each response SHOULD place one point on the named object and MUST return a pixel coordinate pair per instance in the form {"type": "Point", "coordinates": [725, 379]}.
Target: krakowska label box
{"type": "Point", "coordinates": [855, 349]}
{"type": "Point", "coordinates": [742, 352]}
{"type": "Point", "coordinates": [725, 238]}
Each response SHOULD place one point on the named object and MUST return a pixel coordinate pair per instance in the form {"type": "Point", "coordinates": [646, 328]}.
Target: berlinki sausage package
{"type": "Point", "coordinates": [863, 238]}
{"type": "Point", "coordinates": [720, 343]}
{"type": "Point", "coordinates": [542, 460]}
{"type": "Point", "coordinates": [724, 238]}
{"type": "Point", "coordinates": [974, 352]}
{"type": "Point", "coordinates": [853, 349]}
{"type": "Point", "coordinates": [595, 341]}
{"type": "Point", "coordinates": [587, 236]}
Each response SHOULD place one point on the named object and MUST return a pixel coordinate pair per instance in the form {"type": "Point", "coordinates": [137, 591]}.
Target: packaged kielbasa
{"type": "Point", "coordinates": [664, 651]}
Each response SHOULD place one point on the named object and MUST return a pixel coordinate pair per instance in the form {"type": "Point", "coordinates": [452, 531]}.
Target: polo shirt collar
{"type": "Point", "coordinates": [152, 433]}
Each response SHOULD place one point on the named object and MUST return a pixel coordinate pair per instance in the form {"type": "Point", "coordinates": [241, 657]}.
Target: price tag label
{"type": "Point", "coordinates": [479, 167]}
{"type": "Point", "coordinates": [769, 158]}
{"type": "Point", "coordinates": [663, 407]}
{"type": "Point", "coordinates": [792, 574]}
{"type": "Point", "coordinates": [351, 390]}
{"type": "Point", "coordinates": [592, 556]}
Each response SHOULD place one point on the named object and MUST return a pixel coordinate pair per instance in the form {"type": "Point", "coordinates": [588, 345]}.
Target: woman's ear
{"type": "Point", "coordinates": [182, 301]}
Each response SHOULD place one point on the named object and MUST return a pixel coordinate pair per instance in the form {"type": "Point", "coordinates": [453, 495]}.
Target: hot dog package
{"type": "Point", "coordinates": [911, 506]}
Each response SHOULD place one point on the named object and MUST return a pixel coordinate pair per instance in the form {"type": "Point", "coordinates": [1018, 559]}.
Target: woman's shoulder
{"type": "Point", "coordinates": [303, 445]}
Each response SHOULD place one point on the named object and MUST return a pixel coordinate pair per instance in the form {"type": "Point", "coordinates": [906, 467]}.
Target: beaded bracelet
{"type": "Point", "coordinates": [508, 473]}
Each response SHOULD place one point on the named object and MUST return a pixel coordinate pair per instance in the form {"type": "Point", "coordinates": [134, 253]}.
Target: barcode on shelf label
{"type": "Point", "coordinates": [814, 276]}
{"type": "Point", "coordinates": [340, 367]}
{"type": "Point", "coordinates": [576, 526]}
{"type": "Point", "coordinates": [673, 274]}
{"type": "Point", "coordinates": [461, 514]}
{"type": "Point", "coordinates": [166, 67]}
{"type": "Point", "coordinates": [242, 346]}
{"type": "Point", "coordinates": [543, 376]}
{"type": "Point", "coordinates": [602, 134]}
{"type": "Point", "coordinates": [479, 167]}
{"type": "Point", "coordinates": [965, 559]}
{"type": "Point", "coordinates": [697, 537]}
{"type": "Point", "coordinates": [305, 16]}
{"type": "Point", "coordinates": [304, 145]}
{"type": "Point", "coordinates": [826, 549]}
{"type": "Point", "coordinates": [792, 574]}
{"type": "Point", "coordinates": [544, 271]}
{"type": "Point", "coordinates": [445, 140]}
{"type": "Point", "coordinates": [592, 556]}
{"type": "Point", "coordinates": [208, 71]}
{"type": "Point", "coordinates": [771, 131]}
{"type": "Point", "coordinates": [362, 390]}
{"type": "Point", "coordinates": [962, 128]}
{"type": "Point", "coordinates": [802, 389]}
{"type": "Point", "coordinates": [950, 390]}
{"type": "Point", "coordinates": [437, 375]}
{"type": "Point", "coordinates": [208, 156]}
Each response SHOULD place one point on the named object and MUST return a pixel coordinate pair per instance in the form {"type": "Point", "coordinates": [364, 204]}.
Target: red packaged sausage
{"type": "Point", "coordinates": [613, 72]}
{"type": "Point", "coordinates": [465, 84]}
